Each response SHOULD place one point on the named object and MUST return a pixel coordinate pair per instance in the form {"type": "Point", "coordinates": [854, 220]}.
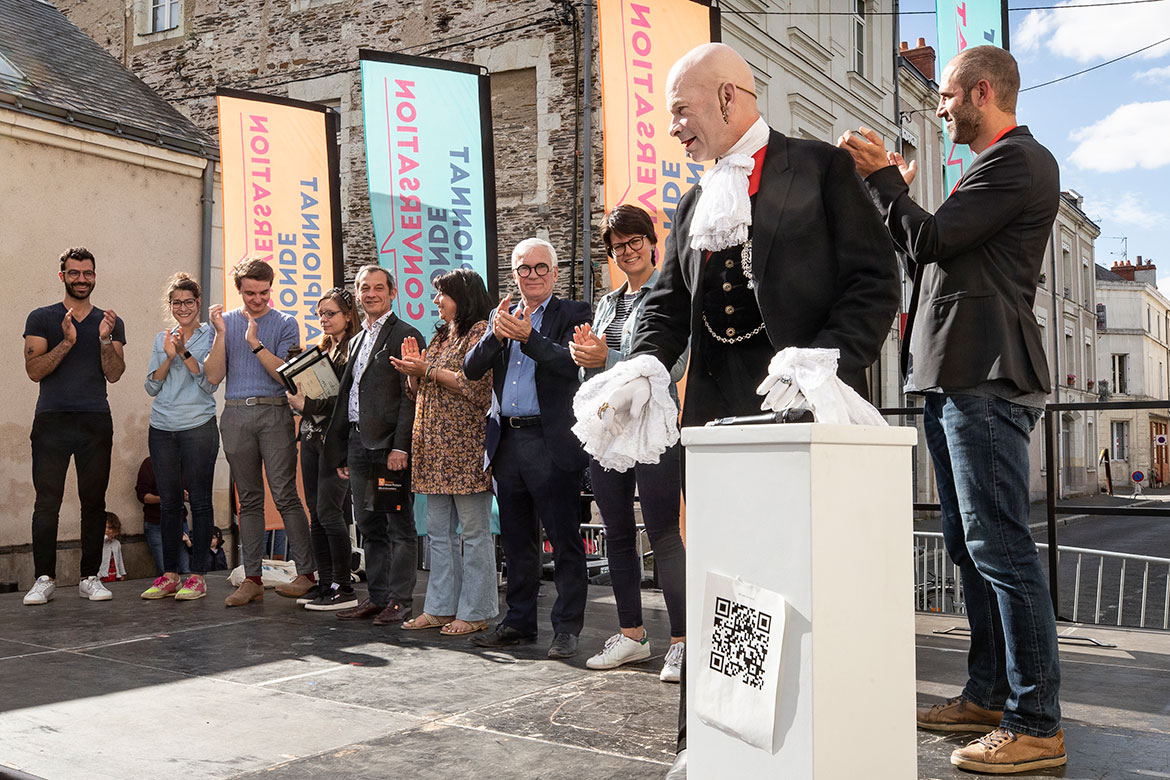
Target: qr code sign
{"type": "Point", "coordinates": [739, 641]}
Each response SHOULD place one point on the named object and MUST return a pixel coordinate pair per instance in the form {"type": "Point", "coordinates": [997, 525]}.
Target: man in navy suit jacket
{"type": "Point", "coordinates": [536, 460]}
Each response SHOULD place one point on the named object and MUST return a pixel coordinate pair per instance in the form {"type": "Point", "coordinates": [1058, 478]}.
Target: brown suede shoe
{"type": "Point", "coordinates": [366, 609]}
{"type": "Point", "coordinates": [301, 585]}
{"type": "Point", "coordinates": [394, 613]}
{"type": "Point", "coordinates": [1004, 752]}
{"type": "Point", "coordinates": [245, 594]}
{"type": "Point", "coordinates": [958, 714]}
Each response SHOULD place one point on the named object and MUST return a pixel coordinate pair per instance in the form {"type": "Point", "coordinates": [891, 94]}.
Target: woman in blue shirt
{"type": "Point", "coordinates": [631, 241]}
{"type": "Point", "coordinates": [183, 438]}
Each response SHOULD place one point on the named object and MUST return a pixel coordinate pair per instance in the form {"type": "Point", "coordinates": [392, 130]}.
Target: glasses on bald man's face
{"type": "Point", "coordinates": [525, 271]}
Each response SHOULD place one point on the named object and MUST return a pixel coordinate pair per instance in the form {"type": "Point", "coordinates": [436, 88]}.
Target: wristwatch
{"type": "Point", "coordinates": [107, 340]}
{"type": "Point", "coordinates": [257, 348]}
{"type": "Point", "coordinates": [186, 354]}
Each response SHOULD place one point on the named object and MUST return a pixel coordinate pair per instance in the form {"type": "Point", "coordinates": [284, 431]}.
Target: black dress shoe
{"type": "Point", "coordinates": [563, 646]}
{"type": "Point", "coordinates": [503, 636]}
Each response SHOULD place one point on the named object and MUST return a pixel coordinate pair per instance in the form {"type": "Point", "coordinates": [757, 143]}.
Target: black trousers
{"type": "Point", "coordinates": [532, 490]}
{"type": "Point", "coordinates": [325, 493]}
{"type": "Point", "coordinates": [87, 438]}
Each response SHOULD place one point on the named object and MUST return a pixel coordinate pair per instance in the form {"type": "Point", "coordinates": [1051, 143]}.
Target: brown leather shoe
{"type": "Point", "coordinates": [958, 714]}
{"type": "Point", "coordinates": [1004, 752]}
{"type": "Point", "coordinates": [245, 594]}
{"type": "Point", "coordinates": [394, 613]}
{"type": "Point", "coordinates": [366, 609]}
{"type": "Point", "coordinates": [301, 585]}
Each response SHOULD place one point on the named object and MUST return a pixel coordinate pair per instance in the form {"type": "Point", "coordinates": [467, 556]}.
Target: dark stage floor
{"type": "Point", "coordinates": [130, 689]}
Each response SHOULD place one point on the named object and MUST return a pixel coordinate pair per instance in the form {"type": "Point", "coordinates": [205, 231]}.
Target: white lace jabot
{"type": "Point", "coordinates": [724, 211]}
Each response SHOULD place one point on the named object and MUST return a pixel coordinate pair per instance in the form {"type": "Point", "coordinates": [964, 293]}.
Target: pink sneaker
{"type": "Point", "coordinates": [193, 588]}
{"type": "Point", "coordinates": [162, 588]}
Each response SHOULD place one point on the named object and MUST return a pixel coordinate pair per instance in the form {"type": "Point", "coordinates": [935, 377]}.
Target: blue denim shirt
{"type": "Point", "coordinates": [603, 316]}
{"type": "Point", "coordinates": [183, 400]}
{"type": "Point", "coordinates": [519, 396]}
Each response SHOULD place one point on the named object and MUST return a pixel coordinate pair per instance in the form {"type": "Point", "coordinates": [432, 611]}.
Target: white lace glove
{"type": "Point", "coordinates": [626, 415]}
{"type": "Point", "coordinates": [780, 392]}
{"type": "Point", "coordinates": [626, 404]}
{"type": "Point", "coordinates": [807, 379]}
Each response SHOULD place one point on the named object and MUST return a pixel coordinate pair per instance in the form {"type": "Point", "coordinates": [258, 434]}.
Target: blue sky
{"type": "Point", "coordinates": [1109, 129]}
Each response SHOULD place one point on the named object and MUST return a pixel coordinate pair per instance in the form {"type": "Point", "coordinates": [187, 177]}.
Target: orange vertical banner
{"type": "Point", "coordinates": [640, 40]}
{"type": "Point", "coordinates": [281, 198]}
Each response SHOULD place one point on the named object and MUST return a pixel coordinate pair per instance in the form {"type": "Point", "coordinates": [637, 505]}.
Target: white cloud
{"type": "Point", "coordinates": [1129, 209]}
{"type": "Point", "coordinates": [1154, 75]}
{"type": "Point", "coordinates": [1095, 33]}
{"type": "Point", "coordinates": [1130, 137]}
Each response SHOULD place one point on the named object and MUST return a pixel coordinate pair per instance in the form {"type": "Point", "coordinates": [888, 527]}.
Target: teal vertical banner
{"type": "Point", "coordinates": [961, 25]}
{"type": "Point", "coordinates": [431, 169]}
{"type": "Point", "coordinates": [429, 163]}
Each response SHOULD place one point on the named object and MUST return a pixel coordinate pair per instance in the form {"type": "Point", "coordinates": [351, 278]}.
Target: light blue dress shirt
{"type": "Point", "coordinates": [519, 396]}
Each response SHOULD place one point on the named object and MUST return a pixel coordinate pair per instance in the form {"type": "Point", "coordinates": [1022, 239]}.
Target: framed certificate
{"type": "Point", "coordinates": [312, 370]}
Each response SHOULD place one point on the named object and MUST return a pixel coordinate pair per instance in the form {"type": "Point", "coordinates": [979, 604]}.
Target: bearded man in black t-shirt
{"type": "Point", "coordinates": [72, 349]}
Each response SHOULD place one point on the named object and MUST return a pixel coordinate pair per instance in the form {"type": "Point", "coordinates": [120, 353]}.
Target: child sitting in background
{"type": "Point", "coordinates": [218, 557]}
{"type": "Point", "coordinates": [112, 567]}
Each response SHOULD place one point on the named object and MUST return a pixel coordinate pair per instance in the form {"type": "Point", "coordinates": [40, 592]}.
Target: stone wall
{"type": "Point", "coordinates": [308, 49]}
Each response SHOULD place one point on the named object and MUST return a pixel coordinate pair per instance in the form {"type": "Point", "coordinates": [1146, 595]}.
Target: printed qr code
{"type": "Point", "coordinates": [739, 643]}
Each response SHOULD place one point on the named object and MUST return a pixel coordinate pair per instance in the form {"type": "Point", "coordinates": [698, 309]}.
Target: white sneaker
{"type": "Point", "coordinates": [620, 649]}
{"type": "Point", "coordinates": [41, 592]}
{"type": "Point", "coordinates": [94, 589]}
{"type": "Point", "coordinates": [672, 666]}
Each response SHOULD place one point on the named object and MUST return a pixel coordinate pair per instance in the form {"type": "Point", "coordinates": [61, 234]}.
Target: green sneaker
{"type": "Point", "coordinates": [162, 588]}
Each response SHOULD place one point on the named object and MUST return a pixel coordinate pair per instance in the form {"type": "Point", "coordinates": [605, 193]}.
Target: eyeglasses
{"type": "Point", "coordinates": [75, 275]}
{"type": "Point", "coordinates": [186, 303]}
{"type": "Point", "coordinates": [633, 245]}
{"type": "Point", "coordinates": [326, 314]}
{"type": "Point", "coordinates": [525, 271]}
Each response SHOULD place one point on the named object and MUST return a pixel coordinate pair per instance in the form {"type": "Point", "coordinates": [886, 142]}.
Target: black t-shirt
{"type": "Point", "coordinates": [77, 384]}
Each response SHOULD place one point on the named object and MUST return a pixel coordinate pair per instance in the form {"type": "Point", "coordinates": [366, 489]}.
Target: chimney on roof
{"type": "Point", "coordinates": [1077, 198]}
{"type": "Point", "coordinates": [922, 57]}
{"type": "Point", "coordinates": [1124, 270]}
{"type": "Point", "coordinates": [1147, 273]}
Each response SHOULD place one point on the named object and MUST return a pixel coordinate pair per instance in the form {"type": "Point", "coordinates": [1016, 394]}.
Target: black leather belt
{"type": "Point", "coordinates": [520, 422]}
{"type": "Point", "coordinates": [278, 400]}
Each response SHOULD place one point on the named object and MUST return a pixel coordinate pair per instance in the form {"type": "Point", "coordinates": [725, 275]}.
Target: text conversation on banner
{"type": "Point", "coordinates": [278, 200]}
{"type": "Point", "coordinates": [431, 188]}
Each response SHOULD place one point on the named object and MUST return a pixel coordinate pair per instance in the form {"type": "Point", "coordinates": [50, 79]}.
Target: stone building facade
{"type": "Point", "coordinates": [308, 50]}
{"type": "Point", "coordinates": [1066, 308]}
{"type": "Point", "coordinates": [1133, 357]}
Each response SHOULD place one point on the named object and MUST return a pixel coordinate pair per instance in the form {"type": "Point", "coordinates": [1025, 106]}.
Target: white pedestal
{"type": "Point", "coordinates": [820, 514]}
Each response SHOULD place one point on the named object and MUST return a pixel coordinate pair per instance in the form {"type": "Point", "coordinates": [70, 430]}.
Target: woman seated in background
{"type": "Point", "coordinates": [450, 421]}
{"type": "Point", "coordinates": [325, 488]}
{"type": "Point", "coordinates": [631, 241]}
{"type": "Point", "coordinates": [183, 438]}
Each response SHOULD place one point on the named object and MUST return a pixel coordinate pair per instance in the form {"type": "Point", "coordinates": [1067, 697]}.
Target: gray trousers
{"type": "Point", "coordinates": [260, 442]}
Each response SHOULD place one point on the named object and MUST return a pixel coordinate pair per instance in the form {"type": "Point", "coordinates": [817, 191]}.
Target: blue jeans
{"type": "Point", "coordinates": [463, 577]}
{"type": "Point", "coordinates": [185, 458]}
{"type": "Point", "coordinates": [153, 534]}
{"type": "Point", "coordinates": [980, 451]}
